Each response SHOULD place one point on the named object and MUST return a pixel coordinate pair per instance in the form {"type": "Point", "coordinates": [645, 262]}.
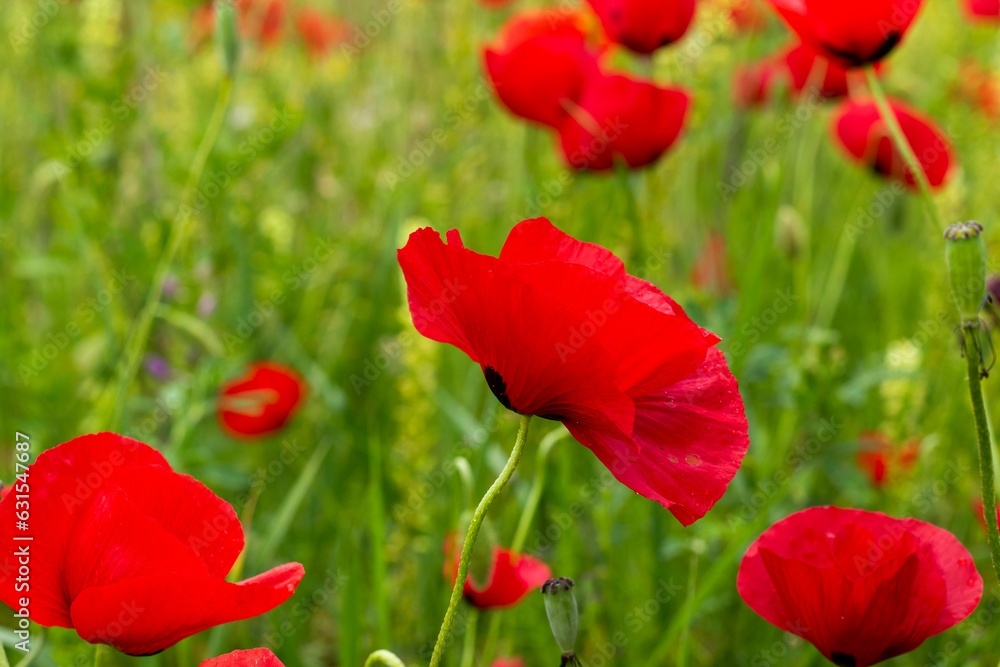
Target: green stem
{"type": "Point", "coordinates": [384, 657]}
{"type": "Point", "coordinates": [179, 229]}
{"type": "Point", "coordinates": [902, 144]}
{"type": "Point", "coordinates": [473, 533]}
{"type": "Point", "coordinates": [101, 655]}
{"type": "Point", "coordinates": [523, 526]}
{"type": "Point", "coordinates": [971, 331]}
{"type": "Point", "coordinates": [469, 647]}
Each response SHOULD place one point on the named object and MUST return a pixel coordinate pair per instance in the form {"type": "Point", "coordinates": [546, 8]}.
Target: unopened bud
{"type": "Point", "coordinates": [227, 36]}
{"type": "Point", "coordinates": [560, 607]}
{"type": "Point", "coordinates": [966, 256]}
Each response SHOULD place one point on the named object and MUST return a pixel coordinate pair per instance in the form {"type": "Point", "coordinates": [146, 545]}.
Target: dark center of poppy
{"type": "Point", "coordinates": [858, 60]}
{"type": "Point", "coordinates": [843, 660]}
{"type": "Point", "coordinates": [496, 384]}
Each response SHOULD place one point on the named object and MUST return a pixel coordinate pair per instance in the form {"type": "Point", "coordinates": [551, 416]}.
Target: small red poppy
{"type": "Point", "coordinates": [982, 10]}
{"type": "Point", "coordinates": [859, 129]}
{"type": "Point", "coordinates": [711, 267]}
{"type": "Point", "coordinates": [320, 32]}
{"type": "Point", "coordinates": [128, 552]}
{"type": "Point", "coordinates": [539, 63]}
{"type": "Point", "coordinates": [261, 401]}
{"type": "Point", "coordinates": [260, 20]}
{"type": "Point", "coordinates": [753, 82]}
{"type": "Point", "coordinates": [852, 32]}
{"type": "Point", "coordinates": [508, 662]}
{"type": "Point", "coordinates": [644, 25]}
{"type": "Point", "coordinates": [512, 576]}
{"type": "Point", "coordinates": [748, 15]}
{"type": "Point", "coordinates": [881, 459]}
{"type": "Point", "coordinates": [255, 657]}
{"type": "Point", "coordinates": [620, 118]}
{"type": "Point", "coordinates": [560, 330]}
{"type": "Point", "coordinates": [861, 586]}
{"type": "Point", "coordinates": [979, 86]}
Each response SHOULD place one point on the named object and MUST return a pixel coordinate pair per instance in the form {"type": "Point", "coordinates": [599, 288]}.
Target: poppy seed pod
{"type": "Point", "coordinates": [966, 256]}
{"type": "Point", "coordinates": [226, 36]}
{"type": "Point", "coordinates": [560, 607]}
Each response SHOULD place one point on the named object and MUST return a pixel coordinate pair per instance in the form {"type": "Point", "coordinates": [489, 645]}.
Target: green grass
{"type": "Point", "coordinates": [315, 216]}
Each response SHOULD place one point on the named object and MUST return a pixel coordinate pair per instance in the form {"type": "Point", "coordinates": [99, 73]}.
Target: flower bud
{"type": "Point", "coordinates": [966, 256]}
{"type": "Point", "coordinates": [227, 36]}
{"type": "Point", "coordinates": [560, 607]}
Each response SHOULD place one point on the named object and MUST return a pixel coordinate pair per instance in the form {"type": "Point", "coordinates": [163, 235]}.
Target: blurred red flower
{"type": "Point", "coordinates": [508, 662]}
{"type": "Point", "coordinates": [618, 117]}
{"type": "Point", "coordinates": [748, 15]}
{"type": "Point", "coordinates": [512, 576]}
{"type": "Point", "coordinates": [539, 62]}
{"type": "Point", "coordinates": [979, 86]}
{"type": "Point", "coordinates": [881, 459]}
{"type": "Point", "coordinates": [128, 552]}
{"type": "Point", "coordinates": [861, 586]}
{"type": "Point", "coordinates": [260, 401]}
{"type": "Point", "coordinates": [798, 67]}
{"type": "Point", "coordinates": [711, 267]}
{"type": "Point", "coordinates": [858, 128]}
{"type": "Point", "coordinates": [260, 20]}
{"type": "Point", "coordinates": [255, 657]}
{"type": "Point", "coordinates": [983, 10]}
{"type": "Point", "coordinates": [644, 25]}
{"type": "Point", "coordinates": [560, 330]}
{"type": "Point", "coordinates": [853, 32]}
{"type": "Point", "coordinates": [320, 32]}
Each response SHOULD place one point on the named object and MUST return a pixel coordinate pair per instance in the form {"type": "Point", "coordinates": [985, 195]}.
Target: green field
{"type": "Point", "coordinates": [837, 321]}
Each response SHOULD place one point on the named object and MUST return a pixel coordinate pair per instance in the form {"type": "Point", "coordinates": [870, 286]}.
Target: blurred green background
{"type": "Point", "coordinates": [836, 322]}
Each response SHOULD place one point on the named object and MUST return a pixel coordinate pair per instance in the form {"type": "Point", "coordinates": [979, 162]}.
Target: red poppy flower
{"type": "Point", "coordinates": [539, 62]}
{"type": "Point", "coordinates": [752, 83]}
{"type": "Point", "coordinates": [644, 25]}
{"type": "Point", "coordinates": [320, 32]}
{"type": "Point", "coordinates": [748, 15]}
{"type": "Point", "coordinates": [711, 268]}
{"type": "Point", "coordinates": [861, 586]}
{"type": "Point", "coordinates": [619, 117]}
{"type": "Point", "coordinates": [562, 331]}
{"type": "Point", "coordinates": [512, 576]}
{"type": "Point", "coordinates": [128, 552]}
{"type": "Point", "coordinates": [261, 401]}
{"type": "Point", "coordinates": [881, 459]}
{"type": "Point", "coordinates": [255, 657]}
{"type": "Point", "coordinates": [859, 129]}
{"type": "Point", "coordinates": [508, 662]}
{"type": "Point", "coordinates": [982, 10]}
{"type": "Point", "coordinates": [853, 32]}
{"type": "Point", "coordinates": [979, 87]}
{"type": "Point", "coordinates": [260, 20]}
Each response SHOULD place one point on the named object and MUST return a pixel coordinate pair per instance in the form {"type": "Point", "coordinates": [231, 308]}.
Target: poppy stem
{"type": "Point", "coordinates": [902, 144]}
{"type": "Point", "coordinates": [970, 331]}
{"type": "Point", "coordinates": [473, 533]}
{"type": "Point", "coordinates": [385, 658]}
{"type": "Point", "coordinates": [179, 229]}
{"type": "Point", "coordinates": [524, 525]}
{"type": "Point", "coordinates": [101, 656]}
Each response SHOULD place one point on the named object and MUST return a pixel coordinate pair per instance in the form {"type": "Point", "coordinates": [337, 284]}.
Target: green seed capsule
{"type": "Point", "coordinates": [227, 35]}
{"type": "Point", "coordinates": [966, 256]}
{"type": "Point", "coordinates": [560, 607]}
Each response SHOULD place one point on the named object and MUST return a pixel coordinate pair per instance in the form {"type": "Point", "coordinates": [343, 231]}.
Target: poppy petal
{"type": "Point", "coordinates": [63, 482]}
{"type": "Point", "coordinates": [145, 615]}
{"type": "Point", "coordinates": [689, 440]}
{"type": "Point", "coordinates": [255, 657]}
